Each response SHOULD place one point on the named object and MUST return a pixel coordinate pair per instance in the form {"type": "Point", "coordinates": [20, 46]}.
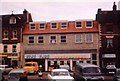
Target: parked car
{"type": "Point", "coordinates": [87, 72]}
{"type": "Point", "coordinates": [65, 67]}
{"type": "Point", "coordinates": [5, 69]}
{"type": "Point", "coordinates": [31, 67]}
{"type": "Point", "coordinates": [16, 74]}
{"type": "Point", "coordinates": [59, 75]}
{"type": "Point", "coordinates": [111, 69]}
{"type": "Point", "coordinates": [116, 76]}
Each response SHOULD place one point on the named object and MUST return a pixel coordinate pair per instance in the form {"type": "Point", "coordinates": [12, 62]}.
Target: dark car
{"type": "Point", "coordinates": [117, 75]}
{"type": "Point", "coordinates": [111, 69]}
{"type": "Point", "coordinates": [87, 72]}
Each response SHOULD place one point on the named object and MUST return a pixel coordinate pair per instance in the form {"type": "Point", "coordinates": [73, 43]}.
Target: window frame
{"type": "Point", "coordinates": [5, 48]}
{"type": "Point", "coordinates": [87, 24]}
{"type": "Point", "coordinates": [31, 39]}
{"type": "Point", "coordinates": [64, 26]}
{"type": "Point", "coordinates": [5, 36]}
{"type": "Point", "coordinates": [87, 39]}
{"type": "Point", "coordinates": [14, 48]}
{"type": "Point", "coordinates": [32, 26]}
{"type": "Point", "coordinates": [54, 40]}
{"type": "Point", "coordinates": [14, 34]}
{"type": "Point", "coordinates": [12, 20]}
{"type": "Point", "coordinates": [77, 24]}
{"type": "Point", "coordinates": [43, 28]}
{"type": "Point", "coordinates": [52, 25]}
{"type": "Point", "coordinates": [40, 39]}
{"type": "Point", "coordinates": [63, 39]}
{"type": "Point", "coordinates": [81, 38]}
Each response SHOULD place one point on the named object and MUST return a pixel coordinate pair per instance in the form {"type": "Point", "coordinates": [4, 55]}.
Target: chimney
{"type": "Point", "coordinates": [114, 7]}
{"type": "Point", "coordinates": [27, 15]}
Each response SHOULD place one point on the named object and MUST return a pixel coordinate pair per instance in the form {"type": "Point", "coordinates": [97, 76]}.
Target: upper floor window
{"type": "Point", "coordinates": [42, 25]}
{"type": "Point", "coordinates": [53, 25]}
{"type": "Point", "coordinates": [15, 34]}
{"type": "Point", "coordinates": [78, 38]}
{"type": "Point", "coordinates": [89, 24]}
{"type": "Point", "coordinates": [89, 38]}
{"type": "Point", "coordinates": [12, 20]}
{"type": "Point", "coordinates": [40, 39]}
{"type": "Point", "coordinates": [14, 47]}
{"type": "Point", "coordinates": [78, 24]}
{"type": "Point", "coordinates": [5, 34]}
{"type": "Point", "coordinates": [31, 39]}
{"type": "Point", "coordinates": [63, 25]}
{"type": "Point", "coordinates": [5, 48]}
{"type": "Point", "coordinates": [32, 26]}
{"type": "Point", "coordinates": [63, 39]}
{"type": "Point", "coordinates": [109, 43]}
{"type": "Point", "coordinates": [52, 39]}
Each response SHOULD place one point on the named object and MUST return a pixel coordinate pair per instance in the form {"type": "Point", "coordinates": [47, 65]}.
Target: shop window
{"type": "Point", "coordinates": [31, 40]}
{"type": "Point", "coordinates": [63, 39]}
{"type": "Point", "coordinates": [78, 38]}
{"type": "Point", "coordinates": [40, 39]}
{"type": "Point", "coordinates": [14, 48]}
{"type": "Point", "coordinates": [94, 62]}
{"type": "Point", "coordinates": [5, 48]}
{"type": "Point", "coordinates": [88, 61]}
{"type": "Point", "coordinates": [52, 39]}
{"type": "Point", "coordinates": [94, 57]}
{"type": "Point", "coordinates": [12, 20]}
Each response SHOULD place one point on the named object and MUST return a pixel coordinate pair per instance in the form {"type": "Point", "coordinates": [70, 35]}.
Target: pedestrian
{"type": "Point", "coordinates": [23, 77]}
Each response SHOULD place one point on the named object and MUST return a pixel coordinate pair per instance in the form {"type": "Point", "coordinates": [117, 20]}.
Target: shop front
{"type": "Point", "coordinates": [49, 60]}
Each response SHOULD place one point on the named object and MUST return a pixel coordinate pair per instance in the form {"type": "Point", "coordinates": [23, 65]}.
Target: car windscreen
{"type": "Point", "coordinates": [28, 64]}
{"type": "Point", "coordinates": [60, 73]}
{"type": "Point", "coordinates": [91, 70]}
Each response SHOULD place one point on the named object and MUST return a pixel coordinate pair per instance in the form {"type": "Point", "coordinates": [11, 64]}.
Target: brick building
{"type": "Point", "coordinates": [61, 42]}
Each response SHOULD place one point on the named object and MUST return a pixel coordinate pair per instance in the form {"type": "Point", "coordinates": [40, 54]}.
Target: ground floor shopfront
{"type": "Point", "coordinates": [48, 60]}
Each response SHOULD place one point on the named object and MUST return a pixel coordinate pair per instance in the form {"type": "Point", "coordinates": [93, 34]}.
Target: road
{"type": "Point", "coordinates": [44, 78]}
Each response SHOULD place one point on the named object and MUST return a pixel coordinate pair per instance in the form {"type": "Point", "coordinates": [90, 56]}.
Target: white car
{"type": "Point", "coordinates": [5, 69]}
{"type": "Point", "coordinates": [60, 75]}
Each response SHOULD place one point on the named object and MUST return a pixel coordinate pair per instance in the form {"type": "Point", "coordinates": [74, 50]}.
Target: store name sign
{"type": "Point", "coordinates": [35, 56]}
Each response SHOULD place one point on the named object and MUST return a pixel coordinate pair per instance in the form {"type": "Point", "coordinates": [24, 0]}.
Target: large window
{"type": "Point", "coordinates": [5, 35]}
{"type": "Point", "coordinates": [94, 59]}
{"type": "Point", "coordinates": [63, 39]}
{"type": "Point", "coordinates": [14, 48]}
{"type": "Point", "coordinates": [12, 20]}
{"type": "Point", "coordinates": [53, 39]}
{"type": "Point", "coordinates": [32, 26]}
{"type": "Point", "coordinates": [15, 34]}
{"type": "Point", "coordinates": [89, 24]}
{"type": "Point", "coordinates": [42, 26]}
{"type": "Point", "coordinates": [31, 39]}
{"type": "Point", "coordinates": [89, 38]}
{"type": "Point", "coordinates": [53, 25]}
{"type": "Point", "coordinates": [40, 39]}
{"type": "Point", "coordinates": [78, 24]}
{"type": "Point", "coordinates": [63, 25]}
{"type": "Point", "coordinates": [78, 38]}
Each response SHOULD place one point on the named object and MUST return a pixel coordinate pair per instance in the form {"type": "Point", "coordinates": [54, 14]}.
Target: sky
{"type": "Point", "coordinates": [49, 10]}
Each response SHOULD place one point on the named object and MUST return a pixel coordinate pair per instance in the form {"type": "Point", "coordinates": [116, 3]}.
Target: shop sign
{"type": "Point", "coordinates": [36, 56]}
{"type": "Point", "coordinates": [109, 56]}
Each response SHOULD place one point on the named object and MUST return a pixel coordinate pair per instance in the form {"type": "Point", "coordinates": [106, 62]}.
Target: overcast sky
{"type": "Point", "coordinates": [48, 10]}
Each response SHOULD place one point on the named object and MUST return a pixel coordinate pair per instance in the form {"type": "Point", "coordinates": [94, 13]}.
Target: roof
{"type": "Point", "coordinates": [59, 70]}
{"type": "Point", "coordinates": [18, 70]}
{"type": "Point", "coordinates": [85, 65]}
